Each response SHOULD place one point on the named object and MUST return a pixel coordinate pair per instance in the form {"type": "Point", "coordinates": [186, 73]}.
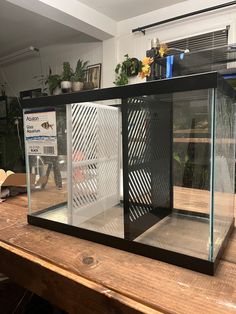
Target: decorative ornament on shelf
{"type": "Point", "coordinates": [132, 66]}
{"type": "Point", "coordinates": [146, 69]}
{"type": "Point", "coordinates": [161, 51]}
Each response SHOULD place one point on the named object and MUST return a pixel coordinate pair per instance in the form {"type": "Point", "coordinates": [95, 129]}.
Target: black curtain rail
{"type": "Point", "coordinates": [176, 18]}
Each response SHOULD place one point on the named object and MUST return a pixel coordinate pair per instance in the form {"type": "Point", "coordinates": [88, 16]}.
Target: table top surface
{"type": "Point", "coordinates": [84, 277]}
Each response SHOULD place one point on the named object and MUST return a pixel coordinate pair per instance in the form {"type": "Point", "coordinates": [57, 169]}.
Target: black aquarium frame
{"type": "Point", "coordinates": [166, 86]}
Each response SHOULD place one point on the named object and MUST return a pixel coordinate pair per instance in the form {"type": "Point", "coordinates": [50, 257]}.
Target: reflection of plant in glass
{"type": "Point", "coordinates": [177, 158]}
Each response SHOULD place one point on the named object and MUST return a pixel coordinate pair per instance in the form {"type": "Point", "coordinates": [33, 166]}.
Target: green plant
{"type": "Point", "coordinates": [80, 71]}
{"type": "Point", "coordinates": [121, 78]}
{"type": "Point", "coordinates": [53, 81]}
{"type": "Point", "coordinates": [180, 161]}
{"type": "Point", "coordinates": [128, 68]}
{"type": "Point", "coordinates": [67, 72]}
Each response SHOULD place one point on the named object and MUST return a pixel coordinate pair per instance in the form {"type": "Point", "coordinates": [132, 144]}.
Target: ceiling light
{"type": "Point", "coordinates": [18, 55]}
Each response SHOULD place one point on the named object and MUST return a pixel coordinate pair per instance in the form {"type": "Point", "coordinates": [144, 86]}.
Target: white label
{"type": "Point", "coordinates": [41, 133]}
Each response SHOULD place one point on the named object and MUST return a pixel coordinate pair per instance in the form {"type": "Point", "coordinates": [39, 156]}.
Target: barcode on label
{"type": "Point", "coordinates": [48, 150]}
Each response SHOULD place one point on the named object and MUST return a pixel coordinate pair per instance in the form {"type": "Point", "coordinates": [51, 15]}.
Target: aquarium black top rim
{"type": "Point", "coordinates": [164, 86]}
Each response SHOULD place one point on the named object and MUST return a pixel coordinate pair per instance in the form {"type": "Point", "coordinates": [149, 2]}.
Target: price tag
{"type": "Point", "coordinates": [40, 133]}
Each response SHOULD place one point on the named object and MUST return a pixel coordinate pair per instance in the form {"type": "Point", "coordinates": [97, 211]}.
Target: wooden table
{"type": "Point", "coordinates": [83, 277]}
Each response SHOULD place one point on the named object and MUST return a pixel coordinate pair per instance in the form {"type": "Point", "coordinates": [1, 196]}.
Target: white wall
{"type": "Point", "coordinates": [136, 44]}
{"type": "Point", "coordinates": [20, 75]}
{"type": "Point", "coordinates": [112, 50]}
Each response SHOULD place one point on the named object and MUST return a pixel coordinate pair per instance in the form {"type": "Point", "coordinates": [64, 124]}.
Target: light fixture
{"type": "Point", "coordinates": [18, 55]}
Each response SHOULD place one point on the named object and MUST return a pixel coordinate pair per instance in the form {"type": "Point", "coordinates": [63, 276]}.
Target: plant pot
{"type": "Point", "coordinates": [66, 86]}
{"type": "Point", "coordinates": [56, 91]}
{"type": "Point", "coordinates": [77, 86]}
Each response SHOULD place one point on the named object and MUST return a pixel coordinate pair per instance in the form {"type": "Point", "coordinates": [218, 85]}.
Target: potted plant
{"type": "Point", "coordinates": [53, 81]}
{"type": "Point", "coordinates": [79, 75]}
{"type": "Point", "coordinates": [128, 68]}
{"type": "Point", "coordinates": [67, 73]}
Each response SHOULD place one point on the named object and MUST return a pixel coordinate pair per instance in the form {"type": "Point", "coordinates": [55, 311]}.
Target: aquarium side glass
{"type": "Point", "coordinates": [192, 115]}
{"type": "Point", "coordinates": [46, 161]}
{"type": "Point", "coordinates": [95, 155]}
{"type": "Point", "coordinates": [169, 140]}
{"type": "Point", "coordinates": [224, 165]}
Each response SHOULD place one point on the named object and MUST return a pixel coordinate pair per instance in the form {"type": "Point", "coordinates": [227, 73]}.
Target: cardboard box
{"type": "Point", "coordinates": [10, 179]}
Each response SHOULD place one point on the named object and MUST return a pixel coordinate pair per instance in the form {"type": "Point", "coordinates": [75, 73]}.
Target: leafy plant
{"type": "Point", "coordinates": [128, 68]}
{"type": "Point", "coordinates": [67, 72]}
{"type": "Point", "coordinates": [121, 78]}
{"type": "Point", "coordinates": [180, 161]}
{"type": "Point", "coordinates": [80, 71]}
{"type": "Point", "coordinates": [53, 81]}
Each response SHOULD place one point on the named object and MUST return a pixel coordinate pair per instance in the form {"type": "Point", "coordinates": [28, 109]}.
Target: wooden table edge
{"type": "Point", "coordinates": [45, 279]}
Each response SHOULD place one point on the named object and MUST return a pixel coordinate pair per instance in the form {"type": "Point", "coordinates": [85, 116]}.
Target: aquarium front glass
{"type": "Point", "coordinates": [156, 170]}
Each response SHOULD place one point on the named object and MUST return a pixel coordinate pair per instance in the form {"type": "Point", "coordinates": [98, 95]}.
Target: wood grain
{"type": "Point", "coordinates": [199, 140]}
{"type": "Point", "coordinates": [85, 277]}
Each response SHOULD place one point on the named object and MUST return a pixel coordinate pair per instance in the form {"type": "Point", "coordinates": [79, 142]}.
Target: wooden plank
{"type": "Point", "coordinates": [192, 131]}
{"type": "Point", "coordinates": [199, 200]}
{"type": "Point", "coordinates": [164, 287]}
{"type": "Point", "coordinates": [72, 293]}
{"type": "Point", "coordinates": [198, 140]}
{"type": "Point", "coordinates": [192, 199]}
{"type": "Point", "coordinates": [48, 263]}
{"type": "Point", "coordinates": [230, 252]}
{"type": "Point", "coordinates": [20, 200]}
{"type": "Point", "coordinates": [99, 279]}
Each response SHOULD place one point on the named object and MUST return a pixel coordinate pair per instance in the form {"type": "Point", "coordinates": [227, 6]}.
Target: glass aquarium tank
{"type": "Point", "coordinates": [109, 167]}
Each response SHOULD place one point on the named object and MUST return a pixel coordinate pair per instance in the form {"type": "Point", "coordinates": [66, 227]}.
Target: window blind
{"type": "Point", "coordinates": [209, 59]}
{"type": "Point", "coordinates": [203, 41]}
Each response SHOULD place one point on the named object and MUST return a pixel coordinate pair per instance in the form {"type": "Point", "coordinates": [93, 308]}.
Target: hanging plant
{"type": "Point", "coordinates": [128, 68]}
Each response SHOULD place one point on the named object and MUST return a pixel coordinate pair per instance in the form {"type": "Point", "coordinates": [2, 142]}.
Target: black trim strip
{"type": "Point", "coordinates": [178, 259]}
{"type": "Point", "coordinates": [183, 16]}
{"type": "Point", "coordinates": [164, 86]}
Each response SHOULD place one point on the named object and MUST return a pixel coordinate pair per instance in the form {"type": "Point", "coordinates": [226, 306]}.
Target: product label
{"type": "Point", "coordinates": [41, 133]}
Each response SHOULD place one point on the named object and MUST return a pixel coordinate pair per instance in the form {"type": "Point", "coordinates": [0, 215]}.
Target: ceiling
{"type": "Point", "coordinates": [124, 9]}
{"type": "Point", "coordinates": [20, 28]}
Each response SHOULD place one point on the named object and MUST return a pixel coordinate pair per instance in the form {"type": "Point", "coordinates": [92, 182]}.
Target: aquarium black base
{"type": "Point", "coordinates": [178, 259]}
